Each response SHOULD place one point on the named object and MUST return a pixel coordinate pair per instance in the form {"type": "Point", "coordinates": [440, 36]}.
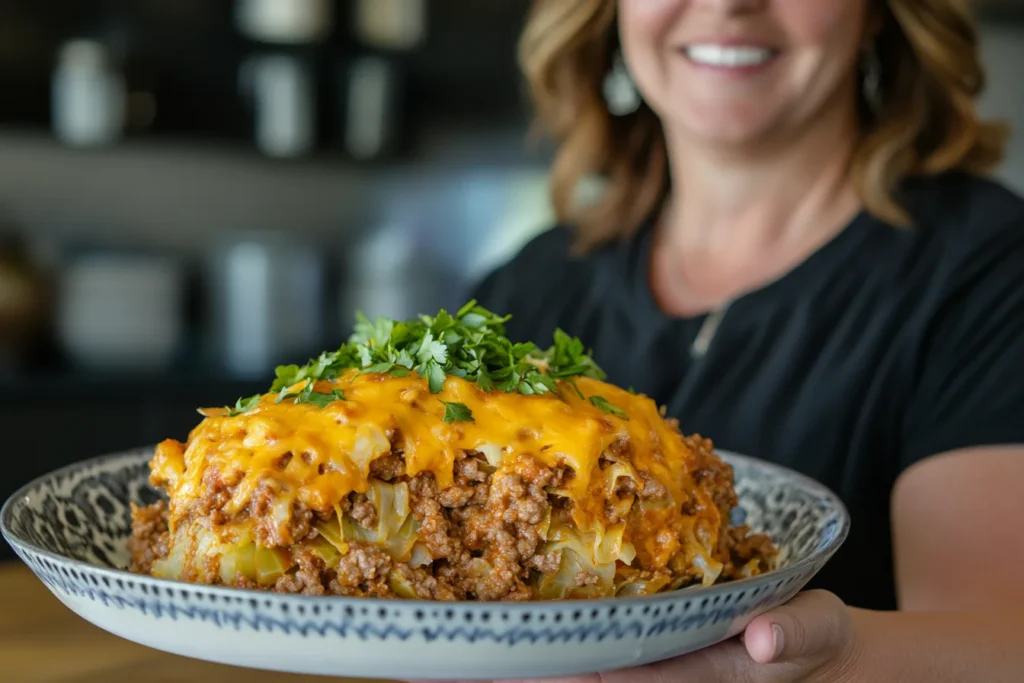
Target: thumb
{"type": "Point", "coordinates": [810, 628]}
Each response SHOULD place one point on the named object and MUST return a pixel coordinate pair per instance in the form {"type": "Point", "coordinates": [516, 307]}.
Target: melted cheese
{"type": "Point", "coordinates": [317, 456]}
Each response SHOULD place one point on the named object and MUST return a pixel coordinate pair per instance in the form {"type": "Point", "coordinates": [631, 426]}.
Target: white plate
{"type": "Point", "coordinates": [71, 527]}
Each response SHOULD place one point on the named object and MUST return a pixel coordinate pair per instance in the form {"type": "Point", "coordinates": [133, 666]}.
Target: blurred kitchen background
{"type": "Point", "coordinates": [192, 191]}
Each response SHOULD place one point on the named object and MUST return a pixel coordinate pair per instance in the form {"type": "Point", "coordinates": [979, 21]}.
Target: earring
{"type": "Point", "coordinates": [620, 93]}
{"type": "Point", "coordinates": [872, 85]}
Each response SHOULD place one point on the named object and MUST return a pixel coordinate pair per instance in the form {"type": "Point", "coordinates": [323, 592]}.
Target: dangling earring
{"type": "Point", "coordinates": [620, 93]}
{"type": "Point", "coordinates": [872, 85]}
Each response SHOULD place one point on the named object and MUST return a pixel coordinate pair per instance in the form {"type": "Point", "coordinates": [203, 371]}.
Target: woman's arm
{"type": "Point", "coordinates": [958, 539]}
{"type": "Point", "coordinates": [958, 531]}
{"type": "Point", "coordinates": [958, 535]}
{"type": "Point", "coordinates": [939, 647]}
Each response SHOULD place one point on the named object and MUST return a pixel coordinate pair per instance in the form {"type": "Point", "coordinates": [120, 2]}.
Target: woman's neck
{"type": "Point", "coordinates": [739, 220]}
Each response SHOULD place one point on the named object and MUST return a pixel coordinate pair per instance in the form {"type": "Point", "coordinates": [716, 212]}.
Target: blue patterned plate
{"type": "Point", "coordinates": [71, 528]}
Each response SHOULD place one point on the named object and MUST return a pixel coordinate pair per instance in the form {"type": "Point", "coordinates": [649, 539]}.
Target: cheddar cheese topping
{"type": "Point", "coordinates": [436, 459]}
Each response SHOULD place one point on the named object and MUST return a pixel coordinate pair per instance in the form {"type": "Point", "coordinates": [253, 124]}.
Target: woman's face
{"type": "Point", "coordinates": [740, 71]}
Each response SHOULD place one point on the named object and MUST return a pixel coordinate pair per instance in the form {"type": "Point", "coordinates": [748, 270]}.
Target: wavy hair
{"type": "Point", "coordinates": [925, 122]}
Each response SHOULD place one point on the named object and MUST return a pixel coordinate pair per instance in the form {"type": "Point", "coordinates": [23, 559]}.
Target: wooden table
{"type": "Point", "coordinates": [42, 641]}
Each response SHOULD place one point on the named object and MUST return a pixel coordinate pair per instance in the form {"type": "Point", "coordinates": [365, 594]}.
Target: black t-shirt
{"type": "Point", "coordinates": [884, 347]}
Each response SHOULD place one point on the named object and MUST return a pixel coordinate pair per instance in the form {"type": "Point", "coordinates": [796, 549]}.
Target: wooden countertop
{"type": "Point", "coordinates": [42, 641]}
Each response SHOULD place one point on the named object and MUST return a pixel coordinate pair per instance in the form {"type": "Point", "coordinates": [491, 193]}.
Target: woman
{"type": "Point", "coordinates": [795, 252]}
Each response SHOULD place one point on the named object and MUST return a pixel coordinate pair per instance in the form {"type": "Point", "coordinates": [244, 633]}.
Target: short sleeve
{"type": "Point", "coordinates": [970, 388]}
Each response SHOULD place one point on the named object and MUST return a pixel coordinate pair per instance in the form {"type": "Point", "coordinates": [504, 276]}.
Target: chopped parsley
{"type": "Point", "coordinates": [324, 400]}
{"type": "Point", "coordinates": [470, 345]}
{"type": "Point", "coordinates": [602, 403]}
{"type": "Point", "coordinates": [244, 405]}
{"type": "Point", "coordinates": [457, 412]}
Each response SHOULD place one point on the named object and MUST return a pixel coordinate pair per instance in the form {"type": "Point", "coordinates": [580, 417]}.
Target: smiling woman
{"type": "Point", "coordinates": [754, 78]}
{"type": "Point", "coordinates": [797, 252]}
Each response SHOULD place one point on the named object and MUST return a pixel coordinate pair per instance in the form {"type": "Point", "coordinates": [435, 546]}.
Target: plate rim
{"type": "Point", "coordinates": [823, 555]}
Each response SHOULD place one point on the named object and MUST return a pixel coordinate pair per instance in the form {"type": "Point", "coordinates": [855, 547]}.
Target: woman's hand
{"type": "Point", "coordinates": [810, 639]}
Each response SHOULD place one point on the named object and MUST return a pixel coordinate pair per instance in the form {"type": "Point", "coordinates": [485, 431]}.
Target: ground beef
{"type": "Point", "coordinates": [625, 486]}
{"type": "Point", "coordinates": [217, 491]}
{"type": "Point", "coordinates": [485, 528]}
{"type": "Point", "coordinates": [268, 533]}
{"type": "Point", "coordinates": [470, 486]}
{"type": "Point", "coordinates": [298, 527]}
{"type": "Point", "coordinates": [482, 536]}
{"type": "Point", "coordinates": [306, 579]}
{"type": "Point", "coordinates": [363, 512]}
{"type": "Point", "coordinates": [388, 467]}
{"type": "Point", "coordinates": [561, 476]}
{"type": "Point", "coordinates": [148, 542]}
{"type": "Point", "coordinates": [738, 547]}
{"type": "Point", "coordinates": [262, 498]}
{"type": "Point", "coordinates": [508, 533]}
{"type": "Point", "coordinates": [456, 496]}
{"type": "Point", "coordinates": [434, 525]}
{"type": "Point", "coordinates": [620, 449]}
{"type": "Point", "coordinates": [652, 487]}
{"type": "Point", "coordinates": [470, 470]}
{"type": "Point", "coordinates": [546, 564]}
{"type": "Point", "coordinates": [426, 585]}
{"type": "Point", "coordinates": [714, 473]}
{"type": "Point", "coordinates": [362, 571]}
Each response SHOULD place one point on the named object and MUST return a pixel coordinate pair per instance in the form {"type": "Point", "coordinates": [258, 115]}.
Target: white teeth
{"type": "Point", "coordinates": [728, 55]}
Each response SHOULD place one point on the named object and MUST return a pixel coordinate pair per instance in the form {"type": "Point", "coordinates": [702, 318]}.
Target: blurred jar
{"type": "Point", "coordinates": [267, 302]}
{"type": "Point", "coordinates": [372, 100]}
{"type": "Point", "coordinates": [89, 95]}
{"type": "Point", "coordinates": [282, 90]}
{"type": "Point", "coordinates": [285, 21]}
{"type": "Point", "coordinates": [391, 24]}
{"type": "Point", "coordinates": [387, 273]}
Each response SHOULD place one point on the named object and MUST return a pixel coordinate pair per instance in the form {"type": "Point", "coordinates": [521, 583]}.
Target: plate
{"type": "Point", "coordinates": [71, 527]}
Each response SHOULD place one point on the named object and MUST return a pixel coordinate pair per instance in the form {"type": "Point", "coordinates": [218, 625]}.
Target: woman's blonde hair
{"type": "Point", "coordinates": [925, 122]}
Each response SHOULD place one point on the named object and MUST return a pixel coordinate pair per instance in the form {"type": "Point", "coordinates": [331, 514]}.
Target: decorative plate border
{"type": "Point", "coordinates": [508, 623]}
{"type": "Point", "coordinates": [531, 623]}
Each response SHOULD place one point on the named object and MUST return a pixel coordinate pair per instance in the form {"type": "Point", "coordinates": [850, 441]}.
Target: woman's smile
{"type": "Point", "coordinates": [730, 59]}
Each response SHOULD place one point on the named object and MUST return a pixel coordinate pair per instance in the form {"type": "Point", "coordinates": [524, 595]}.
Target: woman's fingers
{"type": "Point", "coordinates": [815, 626]}
{"type": "Point", "coordinates": [810, 635]}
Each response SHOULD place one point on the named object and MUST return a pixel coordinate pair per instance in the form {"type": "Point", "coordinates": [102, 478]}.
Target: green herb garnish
{"type": "Point", "coordinates": [324, 400]}
{"type": "Point", "coordinates": [470, 344]}
{"type": "Point", "coordinates": [457, 412]}
{"type": "Point", "coordinates": [244, 405]}
{"type": "Point", "coordinates": [602, 403]}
